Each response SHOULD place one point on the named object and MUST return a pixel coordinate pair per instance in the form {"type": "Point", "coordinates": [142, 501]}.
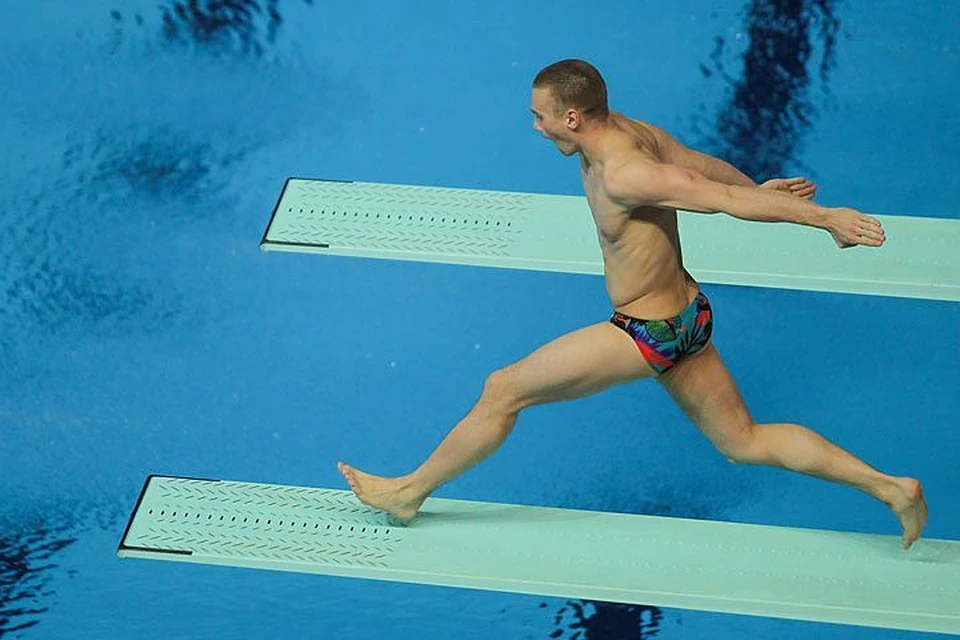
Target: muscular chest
{"type": "Point", "coordinates": [624, 231]}
{"type": "Point", "coordinates": [611, 219]}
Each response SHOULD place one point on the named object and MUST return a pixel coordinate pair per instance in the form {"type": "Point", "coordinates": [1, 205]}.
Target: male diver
{"type": "Point", "coordinates": [636, 177]}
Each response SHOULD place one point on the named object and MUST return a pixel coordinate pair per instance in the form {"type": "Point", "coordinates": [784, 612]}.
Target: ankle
{"type": "Point", "coordinates": [886, 490]}
{"type": "Point", "coordinates": [413, 489]}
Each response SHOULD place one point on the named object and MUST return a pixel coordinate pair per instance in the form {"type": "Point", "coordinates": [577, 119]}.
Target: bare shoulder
{"type": "Point", "coordinates": [629, 176]}
{"type": "Point", "coordinates": [657, 141]}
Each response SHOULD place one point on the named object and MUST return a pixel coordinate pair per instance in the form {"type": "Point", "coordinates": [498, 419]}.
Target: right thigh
{"type": "Point", "coordinates": [575, 365]}
{"type": "Point", "coordinates": [703, 388]}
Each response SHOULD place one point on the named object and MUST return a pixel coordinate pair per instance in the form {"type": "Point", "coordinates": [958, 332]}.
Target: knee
{"type": "Point", "coordinates": [741, 448]}
{"type": "Point", "coordinates": [500, 391]}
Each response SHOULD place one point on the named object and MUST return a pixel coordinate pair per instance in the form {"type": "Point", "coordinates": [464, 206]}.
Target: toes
{"type": "Point", "coordinates": [348, 474]}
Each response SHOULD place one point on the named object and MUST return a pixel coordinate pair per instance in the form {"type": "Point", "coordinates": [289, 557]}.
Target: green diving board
{"type": "Point", "coordinates": [556, 233]}
{"type": "Point", "coordinates": [805, 574]}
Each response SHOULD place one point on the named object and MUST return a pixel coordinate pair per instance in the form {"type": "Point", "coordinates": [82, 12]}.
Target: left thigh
{"type": "Point", "coordinates": [703, 388]}
{"type": "Point", "coordinates": [575, 365]}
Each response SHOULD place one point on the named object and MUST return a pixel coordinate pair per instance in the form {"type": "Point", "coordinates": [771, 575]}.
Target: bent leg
{"type": "Point", "coordinates": [704, 389]}
{"type": "Point", "coordinates": [575, 365]}
{"type": "Point", "coordinates": [578, 364]}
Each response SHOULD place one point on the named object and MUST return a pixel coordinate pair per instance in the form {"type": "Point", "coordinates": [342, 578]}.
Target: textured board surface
{"type": "Point", "coordinates": [921, 258]}
{"type": "Point", "coordinates": [806, 574]}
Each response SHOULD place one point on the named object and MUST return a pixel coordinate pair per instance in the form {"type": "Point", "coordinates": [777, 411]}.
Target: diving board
{"type": "Point", "coordinates": [556, 233]}
{"type": "Point", "coordinates": [805, 574]}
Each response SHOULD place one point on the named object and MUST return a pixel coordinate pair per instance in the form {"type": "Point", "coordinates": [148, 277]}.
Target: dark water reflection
{"type": "Point", "coordinates": [244, 28]}
{"type": "Point", "coordinates": [769, 110]}
{"type": "Point", "coordinates": [27, 565]}
{"type": "Point", "coordinates": [580, 620]}
{"type": "Point", "coordinates": [76, 257]}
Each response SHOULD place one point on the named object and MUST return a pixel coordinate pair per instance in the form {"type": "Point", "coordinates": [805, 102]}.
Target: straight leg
{"type": "Point", "coordinates": [575, 365]}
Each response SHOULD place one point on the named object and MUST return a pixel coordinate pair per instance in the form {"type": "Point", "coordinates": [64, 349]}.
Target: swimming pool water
{"type": "Point", "coordinates": [143, 332]}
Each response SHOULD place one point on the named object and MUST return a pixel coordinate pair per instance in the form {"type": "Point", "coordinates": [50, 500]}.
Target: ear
{"type": "Point", "coordinates": [572, 119]}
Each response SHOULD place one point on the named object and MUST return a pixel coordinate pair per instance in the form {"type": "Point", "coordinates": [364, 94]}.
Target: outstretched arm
{"type": "Point", "coordinates": [675, 152]}
{"type": "Point", "coordinates": [638, 182]}
{"type": "Point", "coordinates": [712, 168]}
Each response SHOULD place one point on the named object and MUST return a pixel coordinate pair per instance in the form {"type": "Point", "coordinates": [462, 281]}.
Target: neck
{"type": "Point", "coordinates": [592, 141]}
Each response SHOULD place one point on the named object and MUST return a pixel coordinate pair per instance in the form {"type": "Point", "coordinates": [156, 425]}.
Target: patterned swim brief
{"type": "Point", "coordinates": [663, 343]}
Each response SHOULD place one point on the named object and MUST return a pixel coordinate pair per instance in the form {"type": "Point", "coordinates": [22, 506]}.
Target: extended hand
{"type": "Point", "coordinates": [800, 187]}
{"type": "Point", "coordinates": [850, 227]}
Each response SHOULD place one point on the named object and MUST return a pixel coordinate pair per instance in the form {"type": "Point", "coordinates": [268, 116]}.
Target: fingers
{"type": "Point", "coordinates": [801, 187]}
{"type": "Point", "coordinates": [798, 186]}
{"type": "Point", "coordinates": [853, 228]}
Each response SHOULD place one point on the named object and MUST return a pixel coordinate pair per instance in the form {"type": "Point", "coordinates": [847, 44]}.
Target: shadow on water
{"type": "Point", "coordinates": [26, 567]}
{"type": "Point", "coordinates": [73, 262]}
{"type": "Point", "coordinates": [217, 27]}
{"type": "Point", "coordinates": [768, 111]}
{"type": "Point", "coordinates": [606, 621]}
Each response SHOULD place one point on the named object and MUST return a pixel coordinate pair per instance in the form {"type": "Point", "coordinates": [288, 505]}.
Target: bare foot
{"type": "Point", "coordinates": [386, 494]}
{"type": "Point", "coordinates": [907, 502]}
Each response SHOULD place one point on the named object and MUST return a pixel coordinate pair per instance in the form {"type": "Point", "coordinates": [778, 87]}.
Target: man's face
{"type": "Point", "coordinates": [549, 125]}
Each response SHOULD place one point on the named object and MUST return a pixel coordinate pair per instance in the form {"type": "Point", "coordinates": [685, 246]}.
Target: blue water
{"type": "Point", "coordinates": [143, 331]}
